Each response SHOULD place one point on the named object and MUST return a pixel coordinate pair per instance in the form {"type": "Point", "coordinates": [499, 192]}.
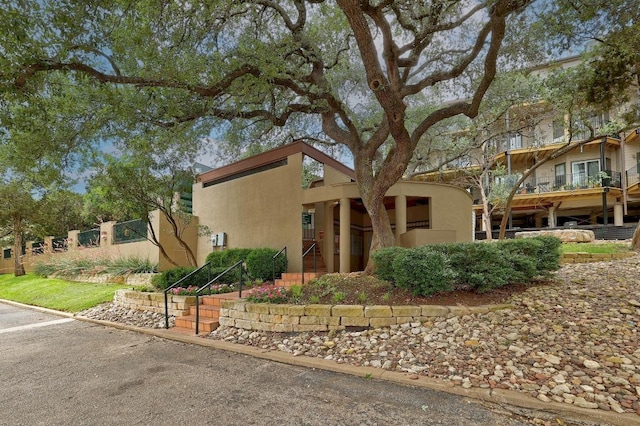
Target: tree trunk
{"type": "Point", "coordinates": [382, 233]}
{"type": "Point", "coordinates": [486, 212]}
{"type": "Point", "coordinates": [635, 241]}
{"type": "Point", "coordinates": [177, 232]}
{"type": "Point", "coordinates": [155, 242]}
{"type": "Point", "coordinates": [372, 190]}
{"type": "Point", "coordinates": [18, 268]}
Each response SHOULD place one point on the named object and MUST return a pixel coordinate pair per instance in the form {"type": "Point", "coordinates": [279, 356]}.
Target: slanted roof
{"type": "Point", "coordinates": [274, 156]}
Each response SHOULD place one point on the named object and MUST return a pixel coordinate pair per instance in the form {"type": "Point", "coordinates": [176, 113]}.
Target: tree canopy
{"type": "Point", "coordinates": [371, 75]}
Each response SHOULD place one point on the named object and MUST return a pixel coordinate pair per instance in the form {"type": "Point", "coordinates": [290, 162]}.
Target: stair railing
{"type": "Point", "coordinates": [208, 286]}
{"type": "Point", "coordinates": [180, 281]}
{"type": "Point", "coordinates": [275, 258]}
{"type": "Point", "coordinates": [313, 247]}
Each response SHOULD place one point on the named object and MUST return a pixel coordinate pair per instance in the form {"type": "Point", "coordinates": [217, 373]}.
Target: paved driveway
{"type": "Point", "coordinates": [56, 371]}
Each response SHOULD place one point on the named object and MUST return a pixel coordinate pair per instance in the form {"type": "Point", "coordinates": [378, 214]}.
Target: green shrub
{"type": "Point", "coordinates": [488, 265]}
{"type": "Point", "coordinates": [70, 267]}
{"type": "Point", "coordinates": [383, 260]}
{"type": "Point", "coordinates": [225, 258]}
{"type": "Point", "coordinates": [230, 256]}
{"type": "Point", "coordinates": [260, 263]}
{"type": "Point", "coordinates": [423, 271]}
{"type": "Point", "coordinates": [549, 255]}
{"type": "Point", "coordinates": [173, 275]}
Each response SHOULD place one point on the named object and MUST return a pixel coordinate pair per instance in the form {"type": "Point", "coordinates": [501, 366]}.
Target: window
{"type": "Point", "coordinates": [558, 129]}
{"type": "Point", "coordinates": [515, 141]}
{"type": "Point", "coordinates": [583, 170]}
{"type": "Point", "coordinates": [596, 121]}
{"type": "Point", "coordinates": [560, 176]}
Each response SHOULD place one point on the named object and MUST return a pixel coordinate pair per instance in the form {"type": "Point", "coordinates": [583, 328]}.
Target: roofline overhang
{"type": "Point", "coordinates": [273, 156]}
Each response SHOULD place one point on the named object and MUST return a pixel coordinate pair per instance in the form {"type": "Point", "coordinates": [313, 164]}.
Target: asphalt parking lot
{"type": "Point", "coordinates": [59, 371]}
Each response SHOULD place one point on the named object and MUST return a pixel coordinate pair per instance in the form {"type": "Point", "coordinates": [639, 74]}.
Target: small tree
{"type": "Point", "coordinates": [133, 186]}
{"type": "Point", "coordinates": [18, 206]}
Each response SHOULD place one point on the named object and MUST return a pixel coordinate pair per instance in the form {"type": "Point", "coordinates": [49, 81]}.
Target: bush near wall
{"type": "Point", "coordinates": [170, 276]}
{"type": "Point", "coordinates": [383, 260]}
{"type": "Point", "coordinates": [478, 266]}
{"type": "Point", "coordinates": [260, 264]}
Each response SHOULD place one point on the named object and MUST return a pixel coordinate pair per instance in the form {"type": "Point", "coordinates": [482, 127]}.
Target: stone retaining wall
{"type": "Point", "coordinates": [154, 302]}
{"type": "Point", "coordinates": [594, 257]}
{"type": "Point", "coordinates": [296, 318]}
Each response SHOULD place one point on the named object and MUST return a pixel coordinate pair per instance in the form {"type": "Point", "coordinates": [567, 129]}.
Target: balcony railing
{"type": "Point", "coordinates": [632, 175]}
{"type": "Point", "coordinates": [570, 182]}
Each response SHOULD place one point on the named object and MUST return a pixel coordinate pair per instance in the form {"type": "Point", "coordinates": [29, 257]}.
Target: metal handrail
{"type": "Point", "coordinates": [313, 247]}
{"type": "Point", "coordinates": [275, 256]}
{"type": "Point", "coordinates": [208, 285]}
{"type": "Point", "coordinates": [166, 290]}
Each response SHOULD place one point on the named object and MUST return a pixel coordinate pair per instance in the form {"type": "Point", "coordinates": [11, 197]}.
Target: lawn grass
{"type": "Point", "coordinates": [595, 248]}
{"type": "Point", "coordinates": [55, 293]}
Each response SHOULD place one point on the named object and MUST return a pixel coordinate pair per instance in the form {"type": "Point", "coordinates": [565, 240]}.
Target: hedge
{"type": "Point", "coordinates": [170, 276]}
{"type": "Point", "coordinates": [383, 262]}
{"type": "Point", "coordinates": [423, 271]}
{"type": "Point", "coordinates": [260, 263]}
{"type": "Point", "coordinates": [477, 266]}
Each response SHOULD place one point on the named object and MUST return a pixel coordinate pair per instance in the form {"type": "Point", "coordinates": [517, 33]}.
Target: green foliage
{"type": "Point", "coordinates": [423, 271]}
{"type": "Point", "coordinates": [66, 266]}
{"type": "Point", "coordinates": [228, 257]}
{"type": "Point", "coordinates": [221, 260]}
{"type": "Point", "coordinates": [594, 248]}
{"type": "Point", "coordinates": [104, 72]}
{"type": "Point", "coordinates": [260, 263]}
{"type": "Point", "coordinates": [549, 254]}
{"type": "Point", "coordinates": [481, 266]}
{"type": "Point", "coordinates": [268, 294]}
{"type": "Point", "coordinates": [55, 293]}
{"type": "Point", "coordinates": [337, 297]}
{"type": "Point", "coordinates": [173, 275]}
{"type": "Point", "coordinates": [383, 260]}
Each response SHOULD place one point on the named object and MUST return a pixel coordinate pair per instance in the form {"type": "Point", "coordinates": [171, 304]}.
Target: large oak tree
{"type": "Point", "coordinates": [371, 73]}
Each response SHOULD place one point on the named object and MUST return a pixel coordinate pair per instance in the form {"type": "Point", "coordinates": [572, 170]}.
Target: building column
{"type": "Point", "coordinates": [401, 216]}
{"type": "Point", "coordinates": [329, 236]}
{"type": "Point", "coordinates": [538, 220]}
{"type": "Point", "coordinates": [618, 214]}
{"type": "Point", "coordinates": [345, 235]}
{"type": "Point", "coordinates": [552, 217]}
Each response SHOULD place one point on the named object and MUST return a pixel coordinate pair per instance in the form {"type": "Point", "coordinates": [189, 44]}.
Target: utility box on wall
{"type": "Point", "coordinates": [219, 239]}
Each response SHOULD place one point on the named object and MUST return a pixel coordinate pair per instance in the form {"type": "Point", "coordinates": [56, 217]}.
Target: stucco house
{"type": "Point", "coordinates": [260, 202]}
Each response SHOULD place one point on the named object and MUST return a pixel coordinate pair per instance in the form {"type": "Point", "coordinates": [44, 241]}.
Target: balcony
{"type": "Point", "coordinates": [570, 182]}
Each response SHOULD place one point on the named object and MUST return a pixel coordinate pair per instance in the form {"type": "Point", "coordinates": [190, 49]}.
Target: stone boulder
{"type": "Point", "coordinates": [565, 235]}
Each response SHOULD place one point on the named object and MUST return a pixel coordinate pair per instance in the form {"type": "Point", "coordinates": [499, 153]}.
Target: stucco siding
{"type": "Point", "coordinates": [259, 210]}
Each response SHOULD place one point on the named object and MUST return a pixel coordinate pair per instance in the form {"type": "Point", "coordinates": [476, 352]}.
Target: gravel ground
{"type": "Point", "coordinates": [575, 341]}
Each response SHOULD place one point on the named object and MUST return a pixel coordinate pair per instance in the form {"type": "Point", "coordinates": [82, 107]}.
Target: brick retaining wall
{"type": "Point", "coordinates": [153, 302]}
{"type": "Point", "coordinates": [297, 318]}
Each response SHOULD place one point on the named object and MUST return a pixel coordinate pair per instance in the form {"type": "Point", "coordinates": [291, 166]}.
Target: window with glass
{"type": "Point", "coordinates": [582, 171]}
{"type": "Point", "coordinates": [558, 129]}
{"type": "Point", "coordinates": [515, 141]}
{"type": "Point", "coordinates": [560, 176]}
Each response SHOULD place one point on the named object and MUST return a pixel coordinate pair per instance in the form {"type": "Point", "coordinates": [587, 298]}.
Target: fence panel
{"type": "Point", "coordinates": [59, 244]}
{"type": "Point", "coordinates": [128, 232]}
{"type": "Point", "coordinates": [90, 238]}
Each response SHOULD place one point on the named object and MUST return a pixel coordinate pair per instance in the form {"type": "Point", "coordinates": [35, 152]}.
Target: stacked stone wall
{"type": "Point", "coordinates": [298, 318]}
